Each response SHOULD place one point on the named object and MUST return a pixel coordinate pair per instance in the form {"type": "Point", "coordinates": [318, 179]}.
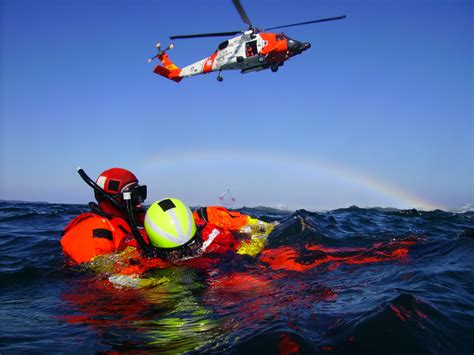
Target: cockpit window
{"type": "Point", "coordinates": [223, 45]}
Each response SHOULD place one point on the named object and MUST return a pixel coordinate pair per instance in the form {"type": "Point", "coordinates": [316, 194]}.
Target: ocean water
{"type": "Point", "coordinates": [368, 281]}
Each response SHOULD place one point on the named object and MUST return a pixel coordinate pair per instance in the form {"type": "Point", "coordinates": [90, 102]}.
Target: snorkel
{"type": "Point", "coordinates": [127, 196]}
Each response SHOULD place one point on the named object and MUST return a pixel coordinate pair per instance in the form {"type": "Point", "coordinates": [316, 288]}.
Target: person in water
{"type": "Point", "coordinates": [116, 222]}
{"type": "Point", "coordinates": [176, 236]}
{"type": "Point", "coordinates": [175, 233]}
{"type": "Point", "coordinates": [106, 228]}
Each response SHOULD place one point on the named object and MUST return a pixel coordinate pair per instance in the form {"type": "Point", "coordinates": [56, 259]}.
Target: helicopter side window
{"type": "Point", "coordinates": [223, 45]}
{"type": "Point", "coordinates": [251, 48]}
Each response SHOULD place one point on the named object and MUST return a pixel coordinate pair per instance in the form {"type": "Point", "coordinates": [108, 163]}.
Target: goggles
{"type": "Point", "coordinates": [137, 192]}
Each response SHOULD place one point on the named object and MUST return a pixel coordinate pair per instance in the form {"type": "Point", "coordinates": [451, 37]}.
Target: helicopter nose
{"type": "Point", "coordinates": [296, 47]}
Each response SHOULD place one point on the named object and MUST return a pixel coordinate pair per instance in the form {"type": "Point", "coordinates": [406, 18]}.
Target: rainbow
{"type": "Point", "coordinates": [384, 189]}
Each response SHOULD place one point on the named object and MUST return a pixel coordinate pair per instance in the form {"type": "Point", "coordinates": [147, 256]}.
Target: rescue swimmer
{"type": "Point", "coordinates": [171, 231]}
{"type": "Point", "coordinates": [106, 228]}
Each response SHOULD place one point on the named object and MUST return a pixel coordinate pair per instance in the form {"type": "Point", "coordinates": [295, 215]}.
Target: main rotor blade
{"type": "Point", "coordinates": [308, 22]}
{"type": "Point", "coordinates": [216, 34]}
{"type": "Point", "coordinates": [242, 13]}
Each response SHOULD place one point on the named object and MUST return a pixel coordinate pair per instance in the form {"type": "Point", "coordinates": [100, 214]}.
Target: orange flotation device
{"type": "Point", "coordinates": [89, 235]}
{"type": "Point", "coordinates": [221, 217]}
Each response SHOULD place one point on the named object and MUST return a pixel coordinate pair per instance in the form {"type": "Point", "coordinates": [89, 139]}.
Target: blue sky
{"type": "Point", "coordinates": [379, 112]}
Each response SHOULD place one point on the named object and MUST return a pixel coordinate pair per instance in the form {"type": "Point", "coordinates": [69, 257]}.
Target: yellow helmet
{"type": "Point", "coordinates": [169, 223]}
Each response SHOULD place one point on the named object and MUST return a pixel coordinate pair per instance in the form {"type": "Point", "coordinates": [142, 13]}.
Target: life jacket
{"type": "Point", "coordinates": [221, 217]}
{"type": "Point", "coordinates": [90, 234]}
{"type": "Point", "coordinates": [215, 240]}
{"type": "Point", "coordinates": [233, 221]}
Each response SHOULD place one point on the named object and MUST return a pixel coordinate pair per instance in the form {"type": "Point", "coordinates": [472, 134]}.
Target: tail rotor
{"type": "Point", "coordinates": [160, 52]}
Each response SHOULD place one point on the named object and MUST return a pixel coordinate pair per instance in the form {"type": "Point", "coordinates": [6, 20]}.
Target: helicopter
{"type": "Point", "coordinates": [253, 50]}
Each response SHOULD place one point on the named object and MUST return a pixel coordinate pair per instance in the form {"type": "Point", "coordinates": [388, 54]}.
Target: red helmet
{"type": "Point", "coordinates": [115, 180]}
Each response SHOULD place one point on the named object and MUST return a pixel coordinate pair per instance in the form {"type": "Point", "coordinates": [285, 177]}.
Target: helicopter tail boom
{"type": "Point", "coordinates": [168, 69]}
{"type": "Point", "coordinates": [170, 74]}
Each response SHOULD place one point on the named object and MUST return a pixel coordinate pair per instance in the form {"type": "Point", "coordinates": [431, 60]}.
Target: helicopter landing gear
{"type": "Point", "coordinates": [275, 67]}
{"type": "Point", "coordinates": [219, 77]}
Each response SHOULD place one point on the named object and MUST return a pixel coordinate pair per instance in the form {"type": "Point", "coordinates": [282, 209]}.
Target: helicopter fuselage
{"type": "Point", "coordinates": [247, 52]}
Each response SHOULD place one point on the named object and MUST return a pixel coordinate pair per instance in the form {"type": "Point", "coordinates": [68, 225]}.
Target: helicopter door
{"type": "Point", "coordinates": [251, 48]}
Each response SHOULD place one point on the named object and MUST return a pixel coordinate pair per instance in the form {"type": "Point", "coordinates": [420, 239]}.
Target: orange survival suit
{"type": "Point", "coordinates": [96, 233]}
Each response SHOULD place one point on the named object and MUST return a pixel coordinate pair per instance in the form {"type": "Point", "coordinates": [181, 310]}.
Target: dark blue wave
{"type": "Point", "coordinates": [354, 301]}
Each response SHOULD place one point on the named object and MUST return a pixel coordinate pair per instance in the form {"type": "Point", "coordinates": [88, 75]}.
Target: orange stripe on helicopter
{"type": "Point", "coordinates": [276, 49]}
{"type": "Point", "coordinates": [209, 63]}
